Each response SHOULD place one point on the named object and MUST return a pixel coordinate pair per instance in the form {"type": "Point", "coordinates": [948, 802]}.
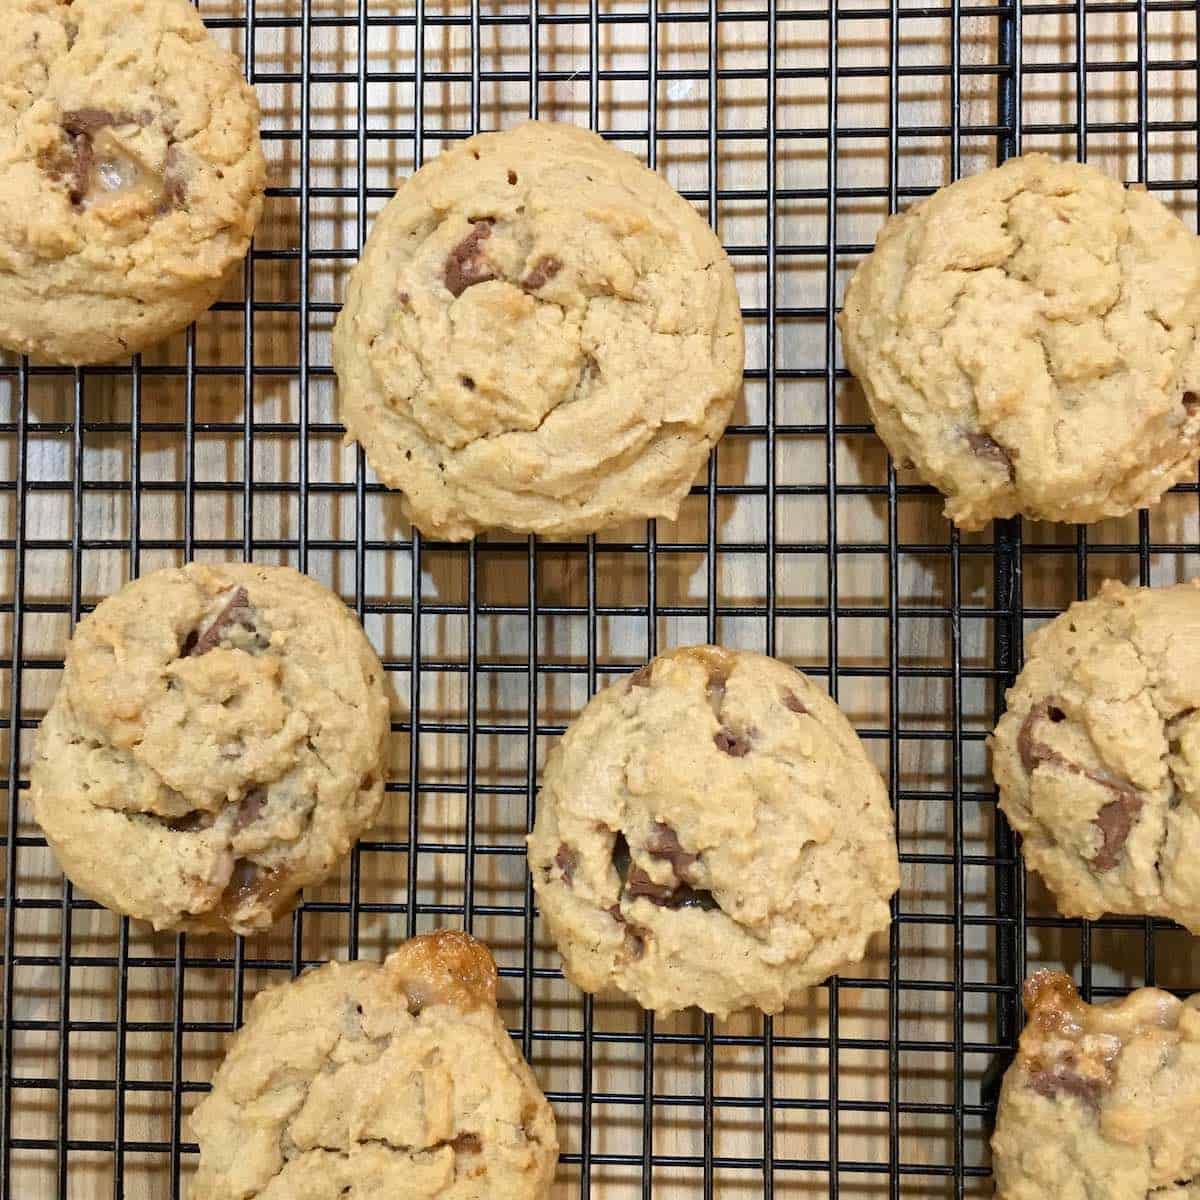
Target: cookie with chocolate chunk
{"type": "Point", "coordinates": [392, 1079]}
{"type": "Point", "coordinates": [1101, 1099]}
{"type": "Point", "coordinates": [710, 831]}
{"type": "Point", "coordinates": [216, 744]}
{"type": "Point", "coordinates": [1098, 755]}
{"type": "Point", "coordinates": [131, 174]}
{"type": "Point", "coordinates": [541, 336]}
{"type": "Point", "coordinates": [1027, 339]}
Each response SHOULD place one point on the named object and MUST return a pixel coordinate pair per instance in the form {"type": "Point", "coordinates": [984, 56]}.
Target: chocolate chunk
{"type": "Point", "coordinates": [792, 701]}
{"type": "Point", "coordinates": [250, 809]}
{"type": "Point", "coordinates": [641, 677]}
{"type": "Point", "coordinates": [237, 611]}
{"type": "Point", "coordinates": [1116, 818]}
{"type": "Point", "coordinates": [1062, 1081]}
{"type": "Point", "coordinates": [465, 264]}
{"type": "Point", "coordinates": [467, 1143]}
{"type": "Point", "coordinates": [1114, 821]}
{"type": "Point", "coordinates": [733, 744]}
{"type": "Point", "coordinates": [638, 883]}
{"type": "Point", "coordinates": [566, 861]}
{"type": "Point", "coordinates": [663, 842]}
{"type": "Point", "coordinates": [192, 822]}
{"type": "Point", "coordinates": [543, 270]}
{"type": "Point", "coordinates": [987, 448]}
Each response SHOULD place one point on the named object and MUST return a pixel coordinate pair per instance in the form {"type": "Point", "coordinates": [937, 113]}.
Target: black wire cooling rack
{"type": "Point", "coordinates": [796, 128]}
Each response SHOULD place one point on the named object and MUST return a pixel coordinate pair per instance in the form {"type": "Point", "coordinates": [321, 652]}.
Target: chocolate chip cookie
{"type": "Point", "coordinates": [1026, 339]}
{"type": "Point", "coordinates": [371, 1080]}
{"type": "Point", "coordinates": [1101, 1100]}
{"type": "Point", "coordinates": [541, 336]}
{"type": "Point", "coordinates": [131, 174]}
{"type": "Point", "coordinates": [710, 831]}
{"type": "Point", "coordinates": [1098, 755]}
{"type": "Point", "coordinates": [215, 745]}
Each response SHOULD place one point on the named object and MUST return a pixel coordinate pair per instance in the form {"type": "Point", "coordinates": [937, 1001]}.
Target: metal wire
{"type": "Point", "coordinates": [955, 1164]}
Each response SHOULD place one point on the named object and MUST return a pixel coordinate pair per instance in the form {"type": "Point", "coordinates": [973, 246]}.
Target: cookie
{"type": "Point", "coordinates": [1100, 1103]}
{"type": "Point", "coordinates": [216, 744]}
{"type": "Point", "coordinates": [1098, 755]}
{"type": "Point", "coordinates": [541, 336]}
{"type": "Point", "coordinates": [1026, 338]}
{"type": "Point", "coordinates": [131, 174]}
{"type": "Point", "coordinates": [363, 1080]}
{"type": "Point", "coordinates": [710, 831]}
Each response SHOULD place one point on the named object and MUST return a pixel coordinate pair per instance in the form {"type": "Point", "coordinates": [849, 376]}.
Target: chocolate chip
{"type": "Point", "coordinates": [1191, 402]}
{"type": "Point", "coordinates": [663, 843]}
{"type": "Point", "coordinates": [192, 822]}
{"type": "Point", "coordinates": [1114, 821]}
{"type": "Point", "coordinates": [639, 883]}
{"type": "Point", "coordinates": [81, 168]}
{"type": "Point", "coordinates": [635, 935]}
{"type": "Point", "coordinates": [641, 677]}
{"type": "Point", "coordinates": [250, 809]}
{"type": "Point", "coordinates": [733, 744]}
{"type": "Point", "coordinates": [465, 264]}
{"type": "Point", "coordinates": [543, 270]}
{"type": "Point", "coordinates": [1062, 1081]}
{"type": "Point", "coordinates": [985, 446]}
{"type": "Point", "coordinates": [512, 177]}
{"type": "Point", "coordinates": [566, 861]}
{"type": "Point", "coordinates": [467, 1143]}
{"type": "Point", "coordinates": [621, 858]}
{"type": "Point", "coordinates": [404, 297]}
{"type": "Point", "coordinates": [467, 382]}
{"type": "Point", "coordinates": [792, 701]}
{"type": "Point", "coordinates": [237, 611]}
{"type": "Point", "coordinates": [88, 120]}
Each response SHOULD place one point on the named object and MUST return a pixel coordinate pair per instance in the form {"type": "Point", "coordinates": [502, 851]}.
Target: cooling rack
{"type": "Point", "coordinates": [796, 128]}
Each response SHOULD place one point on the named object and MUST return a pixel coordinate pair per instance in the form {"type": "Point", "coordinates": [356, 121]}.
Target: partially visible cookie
{"type": "Point", "coordinates": [1027, 339]}
{"type": "Point", "coordinates": [1101, 1101]}
{"type": "Point", "coordinates": [1098, 755]}
{"type": "Point", "coordinates": [364, 1080]}
{"type": "Point", "coordinates": [216, 744]}
{"type": "Point", "coordinates": [542, 336]}
{"type": "Point", "coordinates": [710, 831]}
{"type": "Point", "coordinates": [131, 174]}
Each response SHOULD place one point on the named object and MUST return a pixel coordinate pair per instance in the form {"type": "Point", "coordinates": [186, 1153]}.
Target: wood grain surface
{"type": "Point", "coordinates": [864, 113]}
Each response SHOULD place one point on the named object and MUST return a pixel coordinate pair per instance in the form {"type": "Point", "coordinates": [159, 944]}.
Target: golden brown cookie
{"type": "Point", "coordinates": [541, 336]}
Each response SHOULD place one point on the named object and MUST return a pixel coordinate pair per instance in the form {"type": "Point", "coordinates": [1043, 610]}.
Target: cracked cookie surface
{"type": "Point", "coordinates": [131, 174]}
{"type": "Point", "coordinates": [1026, 338]}
{"type": "Point", "coordinates": [216, 744]}
{"type": "Point", "coordinates": [1098, 755]}
{"type": "Point", "coordinates": [710, 831]}
{"type": "Point", "coordinates": [1101, 1099]}
{"type": "Point", "coordinates": [541, 336]}
{"type": "Point", "coordinates": [361, 1080]}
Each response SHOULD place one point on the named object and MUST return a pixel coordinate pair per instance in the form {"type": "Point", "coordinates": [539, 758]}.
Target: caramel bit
{"type": "Point", "coordinates": [733, 744]}
{"type": "Point", "coordinates": [641, 677]}
{"type": "Point", "coordinates": [236, 611]}
{"type": "Point", "coordinates": [251, 883]}
{"type": "Point", "coordinates": [543, 271]}
{"type": "Point", "coordinates": [792, 701]}
{"type": "Point", "coordinates": [566, 861]}
{"type": "Point", "coordinates": [1116, 818]}
{"type": "Point", "coordinates": [465, 264]}
{"type": "Point", "coordinates": [444, 967]}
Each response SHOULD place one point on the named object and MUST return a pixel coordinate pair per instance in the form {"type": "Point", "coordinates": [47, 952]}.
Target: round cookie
{"type": "Point", "coordinates": [368, 1080]}
{"type": "Point", "coordinates": [216, 744]}
{"type": "Point", "coordinates": [710, 831]}
{"type": "Point", "coordinates": [1026, 338]}
{"type": "Point", "coordinates": [541, 336]}
{"type": "Point", "coordinates": [1098, 756]}
{"type": "Point", "coordinates": [131, 174]}
{"type": "Point", "coordinates": [1101, 1099]}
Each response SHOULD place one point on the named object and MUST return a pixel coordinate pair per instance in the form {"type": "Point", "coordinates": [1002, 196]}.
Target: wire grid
{"type": "Point", "coordinates": [796, 130]}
